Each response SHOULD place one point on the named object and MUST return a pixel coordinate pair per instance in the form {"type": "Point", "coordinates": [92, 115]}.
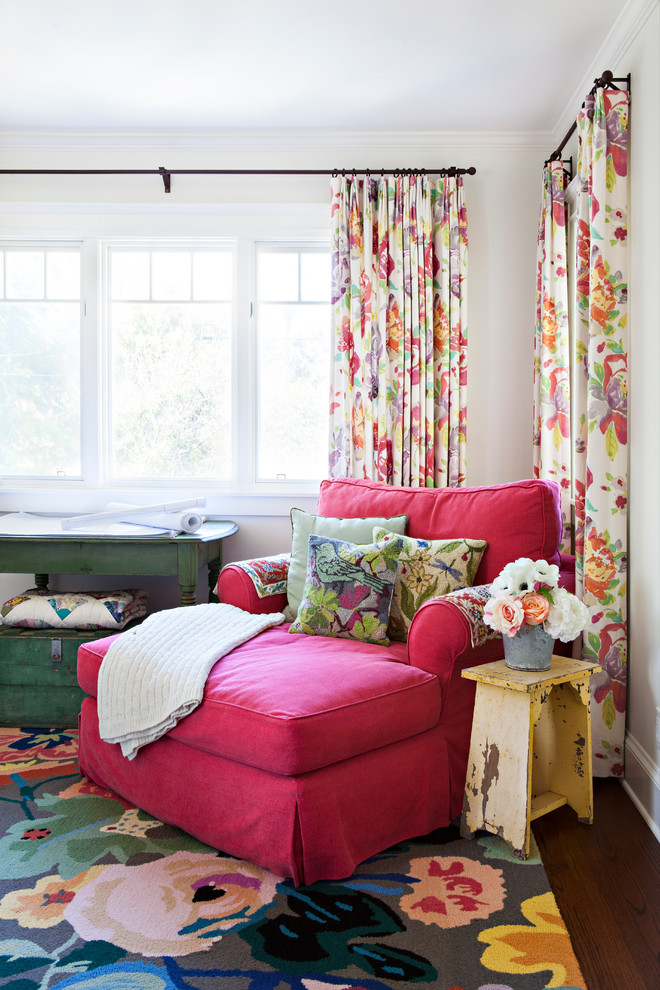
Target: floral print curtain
{"type": "Point", "coordinates": [398, 393]}
{"type": "Point", "coordinates": [552, 386]}
{"type": "Point", "coordinates": [601, 475]}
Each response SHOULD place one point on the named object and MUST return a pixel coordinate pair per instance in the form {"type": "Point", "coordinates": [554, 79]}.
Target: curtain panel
{"type": "Point", "coordinates": [398, 392]}
{"type": "Point", "coordinates": [552, 385]}
{"type": "Point", "coordinates": [601, 472]}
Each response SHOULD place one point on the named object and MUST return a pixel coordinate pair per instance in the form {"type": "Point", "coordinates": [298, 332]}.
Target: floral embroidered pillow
{"type": "Point", "coordinates": [348, 589]}
{"type": "Point", "coordinates": [303, 524]}
{"type": "Point", "coordinates": [428, 569]}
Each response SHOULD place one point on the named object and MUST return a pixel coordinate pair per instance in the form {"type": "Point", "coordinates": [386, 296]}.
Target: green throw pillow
{"type": "Point", "coordinates": [428, 569]}
{"type": "Point", "coordinates": [348, 589]}
{"type": "Point", "coordinates": [303, 524]}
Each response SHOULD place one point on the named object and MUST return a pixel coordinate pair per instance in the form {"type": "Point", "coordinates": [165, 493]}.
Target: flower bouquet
{"type": "Point", "coordinates": [531, 611]}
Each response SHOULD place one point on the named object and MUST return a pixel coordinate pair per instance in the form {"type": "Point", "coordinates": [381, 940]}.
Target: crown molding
{"type": "Point", "coordinates": [625, 29]}
{"type": "Point", "coordinates": [273, 141]}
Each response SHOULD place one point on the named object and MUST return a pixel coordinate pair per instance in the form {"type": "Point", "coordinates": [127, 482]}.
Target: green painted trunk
{"type": "Point", "coordinates": [38, 682]}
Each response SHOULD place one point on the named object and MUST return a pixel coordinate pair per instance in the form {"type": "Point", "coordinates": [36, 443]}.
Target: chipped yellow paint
{"type": "Point", "coordinates": [530, 750]}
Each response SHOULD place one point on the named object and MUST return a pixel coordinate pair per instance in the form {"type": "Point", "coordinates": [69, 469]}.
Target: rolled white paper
{"type": "Point", "coordinates": [167, 516]}
{"type": "Point", "coordinates": [178, 522]}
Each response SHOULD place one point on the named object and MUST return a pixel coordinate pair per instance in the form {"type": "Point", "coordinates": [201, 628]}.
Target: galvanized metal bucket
{"type": "Point", "coordinates": [530, 649]}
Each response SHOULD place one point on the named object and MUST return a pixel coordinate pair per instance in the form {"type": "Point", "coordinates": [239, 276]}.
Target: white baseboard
{"type": "Point", "coordinates": [642, 784]}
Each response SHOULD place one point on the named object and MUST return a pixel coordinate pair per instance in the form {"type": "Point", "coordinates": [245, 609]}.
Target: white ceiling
{"type": "Point", "coordinates": [364, 65]}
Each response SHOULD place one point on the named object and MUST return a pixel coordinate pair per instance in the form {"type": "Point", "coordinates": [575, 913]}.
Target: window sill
{"type": "Point", "coordinates": [223, 505]}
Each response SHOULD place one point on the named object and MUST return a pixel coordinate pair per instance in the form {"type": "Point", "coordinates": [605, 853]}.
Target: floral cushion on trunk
{"type": "Point", "coordinates": [428, 569]}
{"type": "Point", "coordinates": [348, 589]}
{"type": "Point", "coordinates": [40, 608]}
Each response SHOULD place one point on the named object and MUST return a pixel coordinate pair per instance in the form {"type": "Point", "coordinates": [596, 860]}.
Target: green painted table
{"type": "Point", "coordinates": [38, 678]}
{"type": "Point", "coordinates": [180, 556]}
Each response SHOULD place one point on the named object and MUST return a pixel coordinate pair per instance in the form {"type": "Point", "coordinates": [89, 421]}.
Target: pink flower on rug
{"type": "Point", "coordinates": [322, 985]}
{"type": "Point", "coordinates": [171, 906]}
{"type": "Point", "coordinates": [452, 891]}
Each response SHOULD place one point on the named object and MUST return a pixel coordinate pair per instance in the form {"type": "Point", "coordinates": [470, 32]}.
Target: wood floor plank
{"type": "Point", "coordinates": [606, 879]}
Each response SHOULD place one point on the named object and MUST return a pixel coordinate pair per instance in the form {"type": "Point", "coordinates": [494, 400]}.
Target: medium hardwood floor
{"type": "Point", "coordinates": [606, 880]}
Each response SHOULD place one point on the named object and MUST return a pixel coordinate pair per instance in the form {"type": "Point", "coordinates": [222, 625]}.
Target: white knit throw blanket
{"type": "Point", "coordinates": [154, 675]}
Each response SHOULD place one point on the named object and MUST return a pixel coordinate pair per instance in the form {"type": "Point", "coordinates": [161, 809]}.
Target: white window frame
{"type": "Point", "coordinates": [105, 479]}
{"type": "Point", "coordinates": [296, 247]}
{"type": "Point", "coordinates": [96, 228]}
{"type": "Point", "coordinates": [45, 244]}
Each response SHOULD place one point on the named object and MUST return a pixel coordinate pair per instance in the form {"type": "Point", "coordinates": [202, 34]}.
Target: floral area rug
{"type": "Point", "coordinates": [97, 895]}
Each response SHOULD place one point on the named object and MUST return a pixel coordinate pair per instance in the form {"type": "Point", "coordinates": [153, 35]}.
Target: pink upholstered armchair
{"type": "Point", "coordinates": [311, 753]}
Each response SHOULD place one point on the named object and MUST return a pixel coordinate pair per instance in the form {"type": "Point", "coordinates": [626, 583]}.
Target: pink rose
{"type": "Point", "coordinates": [504, 613]}
{"type": "Point", "coordinates": [536, 608]}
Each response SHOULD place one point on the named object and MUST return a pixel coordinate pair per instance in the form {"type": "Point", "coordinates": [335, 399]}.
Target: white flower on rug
{"type": "Point", "coordinates": [452, 891]}
{"type": "Point", "coordinates": [172, 906]}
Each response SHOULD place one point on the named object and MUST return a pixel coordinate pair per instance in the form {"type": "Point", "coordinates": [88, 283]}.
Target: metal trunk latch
{"type": "Point", "coordinates": [56, 650]}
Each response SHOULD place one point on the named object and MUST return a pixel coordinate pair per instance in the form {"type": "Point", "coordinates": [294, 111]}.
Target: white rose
{"type": "Point", "coordinates": [568, 616]}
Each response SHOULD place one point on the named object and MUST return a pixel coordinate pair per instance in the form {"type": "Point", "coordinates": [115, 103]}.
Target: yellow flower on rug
{"type": "Point", "coordinates": [531, 949]}
{"type": "Point", "coordinates": [132, 822]}
{"type": "Point", "coordinates": [42, 906]}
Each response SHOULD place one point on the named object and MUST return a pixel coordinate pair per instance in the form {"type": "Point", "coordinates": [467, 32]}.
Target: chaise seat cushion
{"type": "Point", "coordinates": [289, 704]}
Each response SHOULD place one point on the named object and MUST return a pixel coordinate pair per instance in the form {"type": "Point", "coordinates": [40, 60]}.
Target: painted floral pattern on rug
{"type": "Point", "coordinates": [97, 895]}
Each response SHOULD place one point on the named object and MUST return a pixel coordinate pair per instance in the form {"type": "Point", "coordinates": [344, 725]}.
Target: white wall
{"type": "Point", "coordinates": [502, 200]}
{"type": "Point", "coordinates": [642, 59]}
{"type": "Point", "coordinates": [634, 47]}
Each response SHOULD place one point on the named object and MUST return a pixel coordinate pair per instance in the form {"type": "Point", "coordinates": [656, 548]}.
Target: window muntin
{"type": "Point", "coordinates": [40, 342]}
{"type": "Point", "coordinates": [293, 333]}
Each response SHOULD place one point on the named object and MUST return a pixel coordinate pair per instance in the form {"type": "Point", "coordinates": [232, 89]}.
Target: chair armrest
{"type": "Point", "coordinates": [567, 572]}
{"type": "Point", "coordinates": [257, 586]}
{"type": "Point", "coordinates": [448, 634]}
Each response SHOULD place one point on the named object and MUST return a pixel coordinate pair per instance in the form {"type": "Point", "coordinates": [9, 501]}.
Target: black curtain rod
{"type": "Point", "coordinates": [607, 80]}
{"type": "Point", "coordinates": [167, 173]}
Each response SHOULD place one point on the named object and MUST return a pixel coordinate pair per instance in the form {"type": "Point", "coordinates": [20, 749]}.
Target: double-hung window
{"type": "Point", "coordinates": [169, 363]}
{"type": "Point", "coordinates": [161, 364]}
{"type": "Point", "coordinates": [293, 335]}
{"type": "Point", "coordinates": [40, 350]}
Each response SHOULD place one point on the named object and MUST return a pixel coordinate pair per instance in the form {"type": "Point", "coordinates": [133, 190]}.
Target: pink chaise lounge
{"type": "Point", "coordinates": [310, 754]}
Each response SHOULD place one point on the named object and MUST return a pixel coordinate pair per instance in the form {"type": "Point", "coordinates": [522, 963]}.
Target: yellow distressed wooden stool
{"type": "Point", "coordinates": [530, 750]}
